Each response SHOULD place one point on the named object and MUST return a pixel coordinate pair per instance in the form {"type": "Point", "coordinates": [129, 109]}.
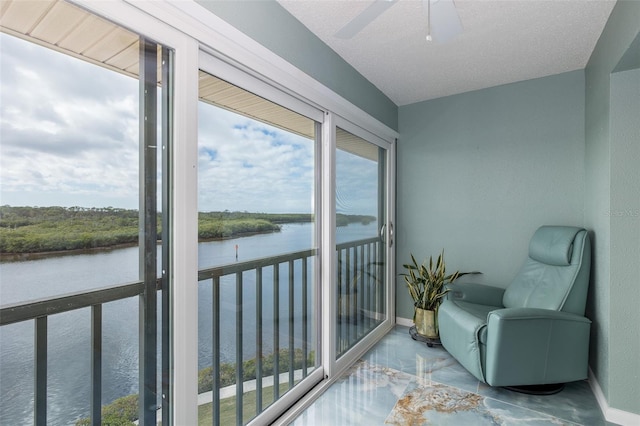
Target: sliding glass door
{"type": "Point", "coordinates": [293, 255]}
{"type": "Point", "coordinates": [258, 251]}
{"type": "Point", "coordinates": [362, 236]}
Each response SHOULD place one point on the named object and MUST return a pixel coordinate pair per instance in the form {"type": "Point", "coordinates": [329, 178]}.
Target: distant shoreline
{"type": "Point", "coordinates": [28, 233]}
{"type": "Point", "coordinates": [23, 257]}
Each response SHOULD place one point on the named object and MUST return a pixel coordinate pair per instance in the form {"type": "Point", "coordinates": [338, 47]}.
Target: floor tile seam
{"type": "Point", "coordinates": [532, 410]}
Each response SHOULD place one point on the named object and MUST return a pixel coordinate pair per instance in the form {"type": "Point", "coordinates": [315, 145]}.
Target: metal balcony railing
{"type": "Point", "coordinates": [359, 291]}
{"type": "Point", "coordinates": [297, 265]}
{"type": "Point", "coordinates": [359, 302]}
{"type": "Point", "coordinates": [40, 310]}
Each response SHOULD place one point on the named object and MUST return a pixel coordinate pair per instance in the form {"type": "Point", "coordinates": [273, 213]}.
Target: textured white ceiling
{"type": "Point", "coordinates": [502, 42]}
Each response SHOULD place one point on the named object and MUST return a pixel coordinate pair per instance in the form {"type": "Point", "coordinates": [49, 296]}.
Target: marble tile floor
{"type": "Point", "coordinates": [403, 382]}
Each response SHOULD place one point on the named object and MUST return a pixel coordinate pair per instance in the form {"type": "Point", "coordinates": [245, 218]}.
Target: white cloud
{"type": "Point", "coordinates": [248, 165]}
{"type": "Point", "coordinates": [69, 136]}
{"type": "Point", "coordinates": [68, 129]}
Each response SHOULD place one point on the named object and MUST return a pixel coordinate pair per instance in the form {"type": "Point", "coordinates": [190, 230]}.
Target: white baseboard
{"type": "Point", "coordinates": [404, 321]}
{"type": "Point", "coordinates": [612, 415]}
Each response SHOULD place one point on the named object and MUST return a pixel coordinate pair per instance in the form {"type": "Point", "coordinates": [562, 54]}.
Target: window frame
{"type": "Point", "coordinates": [189, 29]}
{"type": "Point", "coordinates": [183, 180]}
{"type": "Point", "coordinates": [347, 359]}
{"type": "Point", "coordinates": [223, 70]}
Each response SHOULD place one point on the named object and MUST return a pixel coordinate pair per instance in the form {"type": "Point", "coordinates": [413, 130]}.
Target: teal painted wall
{"type": "Point", "coordinates": [275, 28]}
{"type": "Point", "coordinates": [624, 217]}
{"type": "Point", "coordinates": [612, 181]}
{"type": "Point", "coordinates": [479, 172]}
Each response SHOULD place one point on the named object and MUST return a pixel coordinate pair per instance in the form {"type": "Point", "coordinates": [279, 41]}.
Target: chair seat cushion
{"type": "Point", "coordinates": [480, 312]}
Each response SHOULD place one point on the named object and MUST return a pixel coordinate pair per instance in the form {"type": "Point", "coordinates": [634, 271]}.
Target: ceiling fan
{"type": "Point", "coordinates": [443, 22]}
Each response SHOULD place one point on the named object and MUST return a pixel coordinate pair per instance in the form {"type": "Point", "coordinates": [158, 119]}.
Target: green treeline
{"type": "Point", "coordinates": [26, 230]}
{"type": "Point", "coordinates": [346, 219]}
{"type": "Point", "coordinates": [45, 229]}
{"type": "Point", "coordinates": [277, 218]}
{"type": "Point", "coordinates": [218, 225]}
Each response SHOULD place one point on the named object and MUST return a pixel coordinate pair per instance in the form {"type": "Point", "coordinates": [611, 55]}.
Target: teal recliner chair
{"type": "Point", "coordinates": [533, 335]}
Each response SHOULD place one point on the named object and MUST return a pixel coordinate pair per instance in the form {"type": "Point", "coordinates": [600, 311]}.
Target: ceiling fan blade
{"type": "Point", "coordinates": [375, 9]}
{"type": "Point", "coordinates": [445, 22]}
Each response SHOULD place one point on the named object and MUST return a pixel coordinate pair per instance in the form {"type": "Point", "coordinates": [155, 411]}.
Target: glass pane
{"type": "Point", "coordinates": [69, 214]}
{"type": "Point", "coordinates": [257, 252]}
{"type": "Point", "coordinates": [360, 252]}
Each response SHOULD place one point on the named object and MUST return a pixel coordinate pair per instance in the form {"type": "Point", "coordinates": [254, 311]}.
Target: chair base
{"type": "Point", "coordinates": [550, 389]}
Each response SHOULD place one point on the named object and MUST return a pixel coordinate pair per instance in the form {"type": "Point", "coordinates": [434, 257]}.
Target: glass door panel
{"type": "Point", "coordinates": [257, 253]}
{"type": "Point", "coordinates": [361, 252]}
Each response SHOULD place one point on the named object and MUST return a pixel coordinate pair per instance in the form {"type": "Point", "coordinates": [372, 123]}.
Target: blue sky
{"type": "Point", "coordinates": [69, 137]}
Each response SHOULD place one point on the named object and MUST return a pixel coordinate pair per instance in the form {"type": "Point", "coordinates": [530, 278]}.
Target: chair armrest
{"type": "Point", "coordinates": [531, 314]}
{"type": "Point", "coordinates": [476, 293]}
{"type": "Point", "coordinates": [527, 346]}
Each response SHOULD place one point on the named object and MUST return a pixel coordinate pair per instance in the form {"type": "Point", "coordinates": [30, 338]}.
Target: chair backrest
{"type": "Point", "coordinates": [556, 274]}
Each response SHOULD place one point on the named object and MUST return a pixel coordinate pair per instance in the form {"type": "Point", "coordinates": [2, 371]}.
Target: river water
{"type": "Point", "coordinates": [69, 366]}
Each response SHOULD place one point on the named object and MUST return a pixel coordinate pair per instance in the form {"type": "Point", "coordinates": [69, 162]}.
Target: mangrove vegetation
{"type": "Point", "coordinates": [31, 230]}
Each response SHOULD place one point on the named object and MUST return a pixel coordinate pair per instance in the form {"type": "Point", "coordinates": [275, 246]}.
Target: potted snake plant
{"type": "Point", "coordinates": [427, 287]}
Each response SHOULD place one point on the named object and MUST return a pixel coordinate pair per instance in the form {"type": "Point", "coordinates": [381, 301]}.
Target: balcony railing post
{"type": "Point", "coordinates": [291, 324]}
{"type": "Point", "coordinates": [347, 295]}
{"type": "Point", "coordinates": [339, 334]}
{"type": "Point", "coordinates": [239, 359]}
{"type": "Point", "coordinates": [258, 340]}
{"type": "Point", "coordinates": [355, 290]}
{"type": "Point", "coordinates": [370, 283]}
{"type": "Point", "coordinates": [305, 313]}
{"type": "Point", "coordinates": [378, 269]}
{"type": "Point", "coordinates": [40, 399]}
{"type": "Point", "coordinates": [276, 331]}
{"type": "Point", "coordinates": [96, 365]}
{"type": "Point", "coordinates": [215, 342]}
{"type": "Point", "coordinates": [362, 286]}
